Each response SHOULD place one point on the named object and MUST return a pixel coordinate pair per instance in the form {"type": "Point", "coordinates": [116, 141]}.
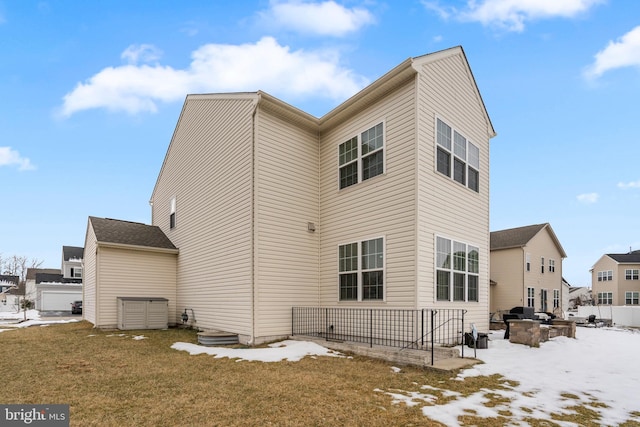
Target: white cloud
{"type": "Point", "coordinates": [325, 18]}
{"type": "Point", "coordinates": [626, 185]}
{"type": "Point", "coordinates": [625, 52]}
{"type": "Point", "coordinates": [588, 198]}
{"type": "Point", "coordinates": [141, 53]}
{"type": "Point", "coordinates": [265, 65]}
{"type": "Point", "coordinates": [512, 14]}
{"type": "Point", "coordinates": [9, 157]}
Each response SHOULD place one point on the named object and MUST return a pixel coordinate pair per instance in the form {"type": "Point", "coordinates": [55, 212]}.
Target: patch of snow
{"type": "Point", "coordinates": [597, 366]}
{"type": "Point", "coordinates": [139, 337]}
{"type": "Point", "coordinates": [395, 369]}
{"type": "Point", "coordinates": [290, 350]}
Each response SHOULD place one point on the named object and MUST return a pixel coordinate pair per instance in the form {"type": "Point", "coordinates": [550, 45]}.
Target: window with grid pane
{"type": "Point", "coordinates": [457, 157]}
{"type": "Point", "coordinates": [632, 298]}
{"type": "Point", "coordinates": [457, 267]}
{"type": "Point", "coordinates": [362, 157]}
{"type": "Point", "coordinates": [631, 274]}
{"type": "Point", "coordinates": [361, 270]}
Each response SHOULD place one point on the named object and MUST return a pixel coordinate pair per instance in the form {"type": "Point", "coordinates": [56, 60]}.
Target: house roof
{"type": "Point", "coordinates": [72, 252]}
{"type": "Point", "coordinates": [519, 237]}
{"type": "Point", "coordinates": [54, 278]}
{"type": "Point", "coordinates": [632, 257]}
{"type": "Point", "coordinates": [9, 278]}
{"type": "Point", "coordinates": [128, 233]}
{"type": "Point", "coordinates": [31, 272]}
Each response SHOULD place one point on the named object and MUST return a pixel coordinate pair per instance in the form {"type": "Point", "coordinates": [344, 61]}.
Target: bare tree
{"type": "Point", "coordinates": [18, 265]}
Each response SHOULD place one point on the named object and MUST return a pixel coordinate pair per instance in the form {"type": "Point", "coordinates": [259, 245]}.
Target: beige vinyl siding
{"type": "Point", "coordinates": [89, 277]}
{"type": "Point", "coordinates": [286, 199]}
{"type": "Point", "coordinates": [208, 169]}
{"type": "Point", "coordinates": [624, 285]}
{"type": "Point", "coordinates": [133, 273]}
{"type": "Point", "coordinates": [507, 270]}
{"type": "Point", "coordinates": [542, 245]}
{"type": "Point", "coordinates": [607, 263]}
{"type": "Point", "coordinates": [382, 206]}
{"type": "Point", "coordinates": [446, 208]}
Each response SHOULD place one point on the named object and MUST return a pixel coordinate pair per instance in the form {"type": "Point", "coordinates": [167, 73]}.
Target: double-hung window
{"type": "Point", "coordinates": [457, 157]}
{"type": "Point", "coordinates": [552, 266]}
{"type": "Point", "coordinates": [531, 297]}
{"type": "Point", "coordinates": [631, 298]}
{"type": "Point", "coordinates": [457, 271]}
{"type": "Point", "coordinates": [362, 157]}
{"type": "Point", "coordinates": [556, 298]}
{"type": "Point", "coordinates": [605, 276]}
{"type": "Point", "coordinates": [528, 261]}
{"type": "Point", "coordinates": [631, 274]}
{"type": "Point", "coordinates": [542, 265]}
{"type": "Point", "coordinates": [361, 270]}
{"type": "Point", "coordinates": [605, 298]}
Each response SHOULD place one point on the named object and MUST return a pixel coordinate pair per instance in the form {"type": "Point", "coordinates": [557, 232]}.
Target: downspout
{"type": "Point", "coordinates": [319, 241]}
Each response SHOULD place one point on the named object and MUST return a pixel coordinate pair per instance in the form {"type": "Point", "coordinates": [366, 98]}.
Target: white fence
{"type": "Point", "coordinates": [619, 315]}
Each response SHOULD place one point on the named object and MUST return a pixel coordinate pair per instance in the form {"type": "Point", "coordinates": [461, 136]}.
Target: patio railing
{"type": "Point", "coordinates": [401, 328]}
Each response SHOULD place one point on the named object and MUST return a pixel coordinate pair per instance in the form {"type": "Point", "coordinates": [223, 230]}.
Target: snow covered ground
{"type": "Point", "coordinates": [600, 365]}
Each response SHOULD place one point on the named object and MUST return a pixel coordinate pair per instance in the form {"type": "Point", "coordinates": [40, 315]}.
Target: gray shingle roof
{"type": "Point", "coordinates": [31, 272]}
{"type": "Point", "coordinates": [69, 252]}
{"type": "Point", "coordinates": [514, 237]}
{"type": "Point", "coordinates": [631, 257]}
{"type": "Point", "coordinates": [109, 230]}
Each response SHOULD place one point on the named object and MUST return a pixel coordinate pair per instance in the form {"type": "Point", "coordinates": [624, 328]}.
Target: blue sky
{"type": "Point", "coordinates": [91, 93]}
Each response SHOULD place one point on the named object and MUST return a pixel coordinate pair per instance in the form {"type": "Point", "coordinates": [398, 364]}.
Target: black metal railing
{"type": "Point", "coordinates": [401, 328]}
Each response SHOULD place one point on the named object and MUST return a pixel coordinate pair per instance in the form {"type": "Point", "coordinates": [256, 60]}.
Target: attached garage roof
{"type": "Point", "coordinates": [128, 233]}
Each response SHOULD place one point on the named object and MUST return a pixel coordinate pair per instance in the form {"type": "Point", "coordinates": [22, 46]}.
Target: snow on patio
{"type": "Point", "coordinates": [598, 366]}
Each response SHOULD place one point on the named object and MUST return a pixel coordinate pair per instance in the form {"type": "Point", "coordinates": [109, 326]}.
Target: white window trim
{"type": "Point", "coordinates": [632, 295]}
{"type": "Point", "coordinates": [359, 158]}
{"type": "Point", "coordinates": [531, 297]}
{"type": "Point", "coordinates": [527, 261]}
{"type": "Point", "coordinates": [556, 298]}
{"type": "Point", "coordinates": [172, 213]}
{"type": "Point", "coordinates": [359, 270]}
{"type": "Point", "coordinates": [451, 270]}
{"type": "Point", "coordinates": [631, 274]}
{"type": "Point", "coordinates": [609, 295]}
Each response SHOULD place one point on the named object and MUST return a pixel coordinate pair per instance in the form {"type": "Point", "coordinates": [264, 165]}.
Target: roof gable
{"type": "Point", "coordinates": [119, 232]}
{"type": "Point", "coordinates": [520, 236]}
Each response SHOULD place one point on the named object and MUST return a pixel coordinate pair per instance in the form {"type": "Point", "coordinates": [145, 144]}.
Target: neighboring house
{"type": "Point", "coordinates": [579, 296]}
{"type": "Point", "coordinates": [53, 289]}
{"type": "Point", "coordinates": [31, 291]}
{"type": "Point", "coordinates": [381, 203]}
{"type": "Point", "coordinates": [526, 266]}
{"type": "Point", "coordinates": [9, 292]}
{"type": "Point", "coordinates": [566, 288]}
{"type": "Point", "coordinates": [72, 262]}
{"type": "Point", "coordinates": [125, 259]}
{"type": "Point", "coordinates": [615, 279]}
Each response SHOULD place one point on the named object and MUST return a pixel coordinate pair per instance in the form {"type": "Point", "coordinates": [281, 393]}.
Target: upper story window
{"type": "Point", "coordinates": [528, 260]}
{"type": "Point", "coordinates": [542, 265]}
{"type": "Point", "coordinates": [457, 271]}
{"type": "Point", "coordinates": [172, 214]}
{"type": "Point", "coordinates": [552, 266]}
{"type": "Point", "coordinates": [631, 274]}
{"type": "Point", "coordinates": [76, 272]}
{"type": "Point", "coordinates": [457, 157]}
{"type": "Point", "coordinates": [362, 157]}
{"type": "Point", "coordinates": [604, 276]}
{"type": "Point", "coordinates": [361, 270]}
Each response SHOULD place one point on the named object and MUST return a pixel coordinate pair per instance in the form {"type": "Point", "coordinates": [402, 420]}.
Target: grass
{"type": "Point", "coordinates": [112, 380]}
